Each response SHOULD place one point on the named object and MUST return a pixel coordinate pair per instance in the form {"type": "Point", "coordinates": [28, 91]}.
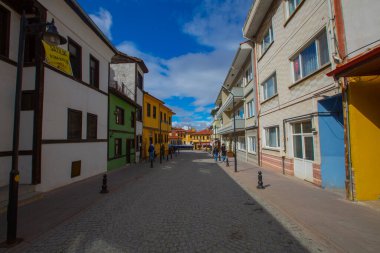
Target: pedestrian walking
{"type": "Point", "coordinates": [151, 152]}
{"type": "Point", "coordinates": [216, 153]}
{"type": "Point", "coordinates": [224, 152]}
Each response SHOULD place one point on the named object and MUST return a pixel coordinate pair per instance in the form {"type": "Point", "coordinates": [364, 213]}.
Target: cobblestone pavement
{"type": "Point", "coordinates": [185, 205]}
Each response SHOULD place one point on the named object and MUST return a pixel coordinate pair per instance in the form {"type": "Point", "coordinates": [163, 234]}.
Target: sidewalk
{"type": "Point", "coordinates": [342, 225]}
{"type": "Point", "coordinates": [55, 207]}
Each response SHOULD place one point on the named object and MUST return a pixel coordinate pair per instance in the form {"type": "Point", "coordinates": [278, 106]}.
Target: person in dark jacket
{"type": "Point", "coordinates": [216, 153]}
{"type": "Point", "coordinates": [224, 152]}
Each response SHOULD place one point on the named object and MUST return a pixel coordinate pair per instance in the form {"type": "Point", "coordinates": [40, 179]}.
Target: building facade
{"type": "Point", "coordinates": [63, 130]}
{"type": "Point", "coordinates": [237, 103]}
{"type": "Point", "coordinates": [356, 28]}
{"type": "Point", "coordinates": [157, 120]}
{"type": "Point", "coordinates": [127, 73]}
{"type": "Point", "coordinates": [121, 129]}
{"type": "Point", "coordinates": [300, 112]}
{"type": "Point", "coordinates": [201, 139]}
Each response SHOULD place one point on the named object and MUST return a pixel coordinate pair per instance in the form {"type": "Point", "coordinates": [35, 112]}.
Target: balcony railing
{"type": "Point", "coordinates": [238, 92]}
{"type": "Point", "coordinates": [123, 89]}
{"type": "Point", "coordinates": [229, 127]}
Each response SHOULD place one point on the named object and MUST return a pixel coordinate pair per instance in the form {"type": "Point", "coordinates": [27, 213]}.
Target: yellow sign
{"type": "Point", "coordinates": [58, 58]}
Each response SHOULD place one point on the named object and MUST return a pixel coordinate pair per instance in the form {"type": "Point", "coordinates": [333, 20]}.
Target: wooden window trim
{"type": "Point", "coordinates": [7, 31]}
{"type": "Point", "coordinates": [68, 124]}
{"type": "Point", "coordinates": [79, 48]}
{"type": "Point", "coordinates": [24, 106]}
{"type": "Point", "coordinates": [94, 116]}
{"type": "Point", "coordinates": [122, 115]}
{"type": "Point", "coordinates": [96, 81]}
{"type": "Point", "coordinates": [118, 150]}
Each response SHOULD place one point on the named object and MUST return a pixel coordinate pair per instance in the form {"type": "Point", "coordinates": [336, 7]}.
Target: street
{"type": "Point", "coordinates": [186, 205]}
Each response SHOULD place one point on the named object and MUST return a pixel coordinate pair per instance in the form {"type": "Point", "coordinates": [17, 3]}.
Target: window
{"type": "Point", "coordinates": [252, 144]}
{"type": "Point", "coordinates": [119, 116]}
{"type": "Point", "coordinates": [117, 147]}
{"type": "Point", "coordinates": [148, 110]}
{"type": "Point", "coordinates": [251, 109]}
{"type": "Point", "coordinates": [154, 112]}
{"type": "Point", "coordinates": [75, 58]}
{"type": "Point", "coordinates": [4, 31]}
{"type": "Point", "coordinates": [312, 58]}
{"type": "Point", "coordinates": [241, 143]}
{"type": "Point", "coordinates": [267, 40]}
{"type": "Point", "coordinates": [155, 138]}
{"type": "Point", "coordinates": [269, 87]}
{"type": "Point", "coordinates": [160, 116]}
{"type": "Point", "coordinates": [94, 72]}
{"type": "Point", "coordinates": [27, 100]}
{"type": "Point", "coordinates": [272, 137]}
{"type": "Point", "coordinates": [165, 117]}
{"type": "Point", "coordinates": [239, 113]}
{"type": "Point", "coordinates": [74, 124]}
{"type": "Point", "coordinates": [138, 114]}
{"type": "Point", "coordinates": [133, 119]}
{"type": "Point", "coordinates": [92, 126]}
{"type": "Point", "coordinates": [248, 75]}
{"type": "Point", "coordinates": [140, 81]}
{"type": "Point", "coordinates": [170, 120]}
{"type": "Point", "coordinates": [30, 43]}
{"type": "Point", "coordinates": [292, 6]}
{"type": "Point", "coordinates": [303, 140]}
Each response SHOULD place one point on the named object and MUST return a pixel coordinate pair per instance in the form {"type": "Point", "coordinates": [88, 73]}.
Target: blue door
{"type": "Point", "coordinates": [331, 132]}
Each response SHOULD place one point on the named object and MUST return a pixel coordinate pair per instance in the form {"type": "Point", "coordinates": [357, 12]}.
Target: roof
{"type": "Point", "coordinates": [364, 64]}
{"type": "Point", "coordinates": [162, 102]}
{"type": "Point", "coordinates": [255, 17]}
{"type": "Point", "coordinates": [204, 132]}
{"type": "Point", "coordinates": [121, 57]}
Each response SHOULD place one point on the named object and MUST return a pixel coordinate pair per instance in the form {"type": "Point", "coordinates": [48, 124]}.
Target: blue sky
{"type": "Point", "coordinates": [188, 46]}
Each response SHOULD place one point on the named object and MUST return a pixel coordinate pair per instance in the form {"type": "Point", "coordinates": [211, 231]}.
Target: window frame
{"type": "Point", "coordinates": [118, 149]}
{"type": "Point", "coordinates": [7, 26]}
{"type": "Point", "coordinates": [248, 75]}
{"type": "Point", "coordinates": [140, 81]}
{"type": "Point", "coordinates": [263, 98]}
{"type": "Point", "coordinates": [252, 140]}
{"type": "Point", "coordinates": [240, 143]}
{"type": "Point", "coordinates": [133, 120]}
{"type": "Point", "coordinates": [264, 47]}
{"type": "Point", "coordinates": [79, 58]}
{"type": "Point", "coordinates": [119, 112]}
{"type": "Point", "coordinates": [288, 14]}
{"type": "Point", "coordinates": [251, 110]}
{"type": "Point", "coordinates": [148, 109]}
{"type": "Point", "coordinates": [70, 132]}
{"type": "Point", "coordinates": [96, 81]}
{"type": "Point", "coordinates": [154, 112]}
{"type": "Point", "coordinates": [278, 141]}
{"type": "Point", "coordinates": [298, 56]}
{"type": "Point", "coordinates": [32, 102]}
{"type": "Point", "coordinates": [89, 117]}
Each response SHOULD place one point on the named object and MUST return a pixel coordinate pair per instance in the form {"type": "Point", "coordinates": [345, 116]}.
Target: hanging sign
{"type": "Point", "coordinates": [58, 58]}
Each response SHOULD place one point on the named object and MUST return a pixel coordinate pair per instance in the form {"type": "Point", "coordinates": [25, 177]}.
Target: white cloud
{"type": "Point", "coordinates": [103, 19]}
{"type": "Point", "coordinates": [216, 24]}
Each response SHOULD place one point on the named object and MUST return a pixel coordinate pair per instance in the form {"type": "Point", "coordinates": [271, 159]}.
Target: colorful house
{"type": "Point", "coordinates": [157, 120]}
{"type": "Point", "coordinates": [121, 128]}
{"type": "Point", "coordinates": [201, 139]}
{"type": "Point", "coordinates": [358, 73]}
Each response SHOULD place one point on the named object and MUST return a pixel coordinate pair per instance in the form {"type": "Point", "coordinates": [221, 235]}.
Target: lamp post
{"type": "Point", "coordinates": [52, 37]}
{"type": "Point", "coordinates": [233, 109]}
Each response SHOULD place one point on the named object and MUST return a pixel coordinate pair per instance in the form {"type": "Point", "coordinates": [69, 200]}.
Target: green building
{"type": "Point", "coordinates": [121, 127]}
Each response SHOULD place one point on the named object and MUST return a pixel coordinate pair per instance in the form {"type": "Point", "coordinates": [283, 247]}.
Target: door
{"type": "Point", "coordinates": [128, 153]}
{"type": "Point", "coordinates": [303, 150]}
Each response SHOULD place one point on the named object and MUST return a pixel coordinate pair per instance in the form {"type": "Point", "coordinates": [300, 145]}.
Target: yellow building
{"type": "Point", "coordinates": [361, 84]}
{"type": "Point", "coordinates": [157, 122]}
{"type": "Point", "coordinates": [201, 139]}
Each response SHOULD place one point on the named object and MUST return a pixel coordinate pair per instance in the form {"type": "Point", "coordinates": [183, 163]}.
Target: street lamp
{"type": "Point", "coordinates": [233, 109]}
{"type": "Point", "coordinates": [52, 37]}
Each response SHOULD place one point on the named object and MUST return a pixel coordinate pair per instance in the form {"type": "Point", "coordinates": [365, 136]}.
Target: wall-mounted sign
{"type": "Point", "coordinates": [58, 58]}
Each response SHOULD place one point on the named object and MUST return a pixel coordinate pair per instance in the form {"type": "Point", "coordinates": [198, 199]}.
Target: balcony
{"type": "Point", "coordinates": [227, 104]}
{"type": "Point", "coordinates": [229, 127]}
{"type": "Point", "coordinates": [122, 89]}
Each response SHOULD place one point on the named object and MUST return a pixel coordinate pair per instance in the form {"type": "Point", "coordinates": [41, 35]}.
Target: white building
{"type": "Point", "coordinates": [63, 133]}
{"type": "Point", "coordinates": [297, 101]}
{"type": "Point", "coordinates": [237, 97]}
{"type": "Point", "coordinates": [127, 73]}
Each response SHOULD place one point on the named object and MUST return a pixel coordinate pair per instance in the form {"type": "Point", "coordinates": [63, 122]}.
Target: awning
{"type": "Point", "coordinates": [365, 64]}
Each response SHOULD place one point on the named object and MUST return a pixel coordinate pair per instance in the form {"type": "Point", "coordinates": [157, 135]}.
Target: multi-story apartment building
{"type": "Point", "coordinates": [63, 130]}
{"type": "Point", "coordinates": [300, 110]}
{"type": "Point", "coordinates": [357, 32]}
{"type": "Point", "coordinates": [127, 75]}
{"type": "Point", "coordinates": [157, 124]}
{"type": "Point", "coordinates": [237, 106]}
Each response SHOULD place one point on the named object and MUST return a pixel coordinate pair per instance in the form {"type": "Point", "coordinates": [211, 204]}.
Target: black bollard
{"type": "Point", "coordinates": [227, 163]}
{"type": "Point", "coordinates": [104, 186]}
{"type": "Point", "coordinates": [260, 184]}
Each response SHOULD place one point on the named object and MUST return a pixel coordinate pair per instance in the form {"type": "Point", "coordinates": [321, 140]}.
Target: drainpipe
{"type": "Point", "coordinates": [347, 141]}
